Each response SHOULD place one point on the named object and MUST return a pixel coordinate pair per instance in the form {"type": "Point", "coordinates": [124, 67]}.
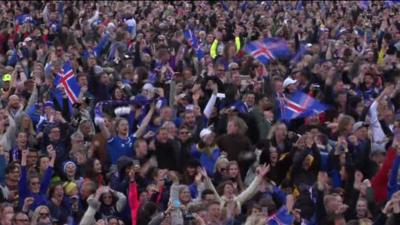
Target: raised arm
{"type": "Point", "coordinates": [210, 104]}
{"type": "Point", "coordinates": [121, 200]}
{"type": "Point", "coordinates": [145, 122]}
{"type": "Point", "coordinates": [49, 172]}
{"type": "Point", "coordinates": [210, 185]}
{"type": "Point", "coordinates": [23, 181]}
{"type": "Point", "coordinates": [103, 129]}
{"type": "Point", "coordinates": [2, 164]}
{"type": "Point", "coordinates": [252, 189]}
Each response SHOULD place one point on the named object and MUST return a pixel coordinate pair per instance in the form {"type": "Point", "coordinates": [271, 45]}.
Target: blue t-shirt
{"type": "Point", "coordinates": [118, 147]}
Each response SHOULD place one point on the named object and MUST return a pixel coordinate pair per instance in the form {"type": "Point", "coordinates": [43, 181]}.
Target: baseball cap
{"type": "Point", "coordinates": [288, 81]}
{"type": "Point", "coordinates": [7, 77]}
{"type": "Point", "coordinates": [148, 87]}
{"type": "Point", "coordinates": [205, 132]}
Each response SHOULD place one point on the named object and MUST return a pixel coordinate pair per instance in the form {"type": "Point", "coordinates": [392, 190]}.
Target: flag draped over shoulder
{"type": "Point", "coordinates": [267, 50]}
{"type": "Point", "coordinates": [301, 105]}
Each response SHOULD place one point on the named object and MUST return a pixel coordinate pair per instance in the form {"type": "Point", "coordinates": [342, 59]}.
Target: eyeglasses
{"type": "Point", "coordinates": [44, 214]}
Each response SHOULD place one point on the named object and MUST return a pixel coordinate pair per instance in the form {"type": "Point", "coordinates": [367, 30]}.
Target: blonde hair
{"type": "Point", "coordinates": [273, 130]}
{"type": "Point", "coordinates": [239, 122]}
{"type": "Point", "coordinates": [36, 214]}
{"type": "Point", "coordinates": [343, 122]}
{"type": "Point", "coordinates": [238, 179]}
{"type": "Point", "coordinates": [220, 160]}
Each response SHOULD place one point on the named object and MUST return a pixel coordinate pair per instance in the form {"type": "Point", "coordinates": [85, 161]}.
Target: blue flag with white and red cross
{"type": "Point", "coordinates": [191, 38]}
{"type": "Point", "coordinates": [67, 79]}
{"type": "Point", "coordinates": [268, 49]}
{"type": "Point", "coordinates": [301, 105]}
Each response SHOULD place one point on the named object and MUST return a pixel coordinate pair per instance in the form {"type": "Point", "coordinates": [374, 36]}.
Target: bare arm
{"type": "Point", "coordinates": [145, 122]}
{"type": "Point", "coordinates": [103, 129]}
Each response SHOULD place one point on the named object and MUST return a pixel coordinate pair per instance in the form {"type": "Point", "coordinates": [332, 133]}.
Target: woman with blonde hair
{"type": "Point", "coordinates": [345, 125]}
{"type": "Point", "coordinates": [278, 138]}
{"type": "Point", "coordinates": [41, 215]}
{"type": "Point", "coordinates": [233, 172]}
{"type": "Point", "coordinates": [221, 166]}
{"type": "Point", "coordinates": [24, 124]}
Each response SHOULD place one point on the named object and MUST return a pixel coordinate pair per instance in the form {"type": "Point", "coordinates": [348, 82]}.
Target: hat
{"type": "Point", "coordinates": [148, 87]}
{"type": "Point", "coordinates": [288, 81]}
{"type": "Point", "coordinates": [205, 132]}
{"type": "Point", "coordinates": [359, 125]}
{"type": "Point", "coordinates": [7, 77]}
{"type": "Point", "coordinates": [69, 187]}
{"type": "Point", "coordinates": [66, 163]}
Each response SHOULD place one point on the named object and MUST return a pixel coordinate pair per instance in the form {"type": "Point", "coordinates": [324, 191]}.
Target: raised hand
{"type": "Point", "coordinates": [203, 172]}
{"type": "Point", "coordinates": [263, 170]}
{"type": "Point", "coordinates": [27, 203]}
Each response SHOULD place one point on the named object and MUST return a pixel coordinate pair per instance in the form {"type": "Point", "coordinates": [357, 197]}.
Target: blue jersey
{"type": "Point", "coordinates": [118, 147]}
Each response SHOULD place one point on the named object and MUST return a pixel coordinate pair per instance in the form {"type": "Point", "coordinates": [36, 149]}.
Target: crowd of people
{"type": "Point", "coordinates": [110, 114]}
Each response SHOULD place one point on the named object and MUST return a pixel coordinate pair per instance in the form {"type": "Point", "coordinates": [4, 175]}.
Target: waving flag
{"type": "Point", "coordinates": [300, 53]}
{"type": "Point", "coordinates": [67, 79]}
{"type": "Point", "coordinates": [191, 38]}
{"type": "Point", "coordinates": [268, 49]}
{"type": "Point", "coordinates": [24, 18]}
{"type": "Point", "coordinates": [301, 105]}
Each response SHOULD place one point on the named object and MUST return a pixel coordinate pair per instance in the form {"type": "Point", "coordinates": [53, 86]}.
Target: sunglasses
{"type": "Point", "coordinates": [44, 214]}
